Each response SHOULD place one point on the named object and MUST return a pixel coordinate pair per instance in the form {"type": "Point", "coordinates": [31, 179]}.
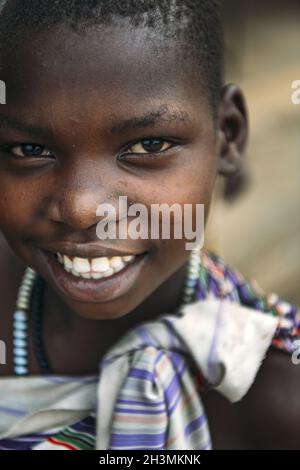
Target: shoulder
{"type": "Point", "coordinates": [222, 281]}
{"type": "Point", "coordinates": [271, 409]}
{"type": "Point", "coordinates": [268, 417]}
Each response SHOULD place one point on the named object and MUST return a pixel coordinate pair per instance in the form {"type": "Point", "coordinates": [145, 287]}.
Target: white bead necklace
{"type": "Point", "coordinates": [20, 327]}
{"type": "Point", "coordinates": [20, 340]}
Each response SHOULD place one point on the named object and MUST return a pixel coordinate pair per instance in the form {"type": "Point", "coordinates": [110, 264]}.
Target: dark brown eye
{"type": "Point", "coordinates": [30, 151]}
{"type": "Point", "coordinates": [150, 146]}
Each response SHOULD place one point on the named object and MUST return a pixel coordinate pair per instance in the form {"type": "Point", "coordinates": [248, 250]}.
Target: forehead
{"type": "Point", "coordinates": [116, 63]}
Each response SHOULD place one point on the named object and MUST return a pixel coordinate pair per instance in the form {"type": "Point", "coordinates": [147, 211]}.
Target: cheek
{"type": "Point", "coordinates": [200, 181]}
{"type": "Point", "coordinates": [17, 205]}
{"type": "Point", "coordinates": [190, 183]}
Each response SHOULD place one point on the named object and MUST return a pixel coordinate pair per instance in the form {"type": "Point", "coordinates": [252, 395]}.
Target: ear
{"type": "Point", "coordinates": [233, 130]}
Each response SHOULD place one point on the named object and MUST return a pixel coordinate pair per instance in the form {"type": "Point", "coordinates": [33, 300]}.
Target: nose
{"type": "Point", "coordinates": [76, 209]}
{"type": "Point", "coordinates": [75, 203]}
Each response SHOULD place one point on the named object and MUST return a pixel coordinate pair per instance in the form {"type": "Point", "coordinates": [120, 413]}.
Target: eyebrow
{"type": "Point", "coordinates": [163, 114]}
{"type": "Point", "coordinates": [13, 123]}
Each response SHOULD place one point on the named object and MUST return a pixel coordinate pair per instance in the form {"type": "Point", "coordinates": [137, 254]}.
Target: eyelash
{"type": "Point", "coordinates": [7, 148]}
{"type": "Point", "coordinates": [125, 152]}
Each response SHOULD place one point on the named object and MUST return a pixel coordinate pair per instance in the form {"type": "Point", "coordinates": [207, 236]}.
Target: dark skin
{"type": "Point", "coordinates": [46, 200]}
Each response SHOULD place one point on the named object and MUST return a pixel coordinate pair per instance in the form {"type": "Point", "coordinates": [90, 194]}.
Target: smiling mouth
{"type": "Point", "coordinates": [89, 277]}
{"type": "Point", "coordinates": [95, 268]}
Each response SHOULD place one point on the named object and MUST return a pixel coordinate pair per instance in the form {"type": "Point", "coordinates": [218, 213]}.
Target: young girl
{"type": "Point", "coordinates": [127, 343]}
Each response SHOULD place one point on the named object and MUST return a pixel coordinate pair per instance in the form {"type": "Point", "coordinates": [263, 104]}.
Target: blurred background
{"type": "Point", "coordinates": [257, 230]}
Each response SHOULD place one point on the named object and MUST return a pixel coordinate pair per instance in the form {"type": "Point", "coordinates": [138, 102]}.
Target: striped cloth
{"type": "Point", "coordinates": [149, 388]}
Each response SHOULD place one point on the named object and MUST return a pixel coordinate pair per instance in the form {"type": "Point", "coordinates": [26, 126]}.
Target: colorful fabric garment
{"type": "Point", "coordinates": [148, 392]}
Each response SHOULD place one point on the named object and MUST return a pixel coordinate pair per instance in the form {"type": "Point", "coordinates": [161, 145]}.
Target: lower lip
{"type": "Point", "coordinates": [93, 290]}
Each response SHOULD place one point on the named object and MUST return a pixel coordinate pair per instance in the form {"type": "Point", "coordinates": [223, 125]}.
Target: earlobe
{"type": "Point", "coordinates": [233, 130]}
{"type": "Point", "coordinates": [230, 160]}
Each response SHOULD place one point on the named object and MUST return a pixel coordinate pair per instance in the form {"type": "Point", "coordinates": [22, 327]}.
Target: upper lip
{"type": "Point", "coordinates": [88, 250]}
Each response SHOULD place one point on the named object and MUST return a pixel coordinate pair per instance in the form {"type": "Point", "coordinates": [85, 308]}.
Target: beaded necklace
{"type": "Point", "coordinates": [30, 299]}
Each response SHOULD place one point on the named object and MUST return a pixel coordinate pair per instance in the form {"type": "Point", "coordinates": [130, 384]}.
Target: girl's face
{"type": "Point", "coordinates": [80, 109]}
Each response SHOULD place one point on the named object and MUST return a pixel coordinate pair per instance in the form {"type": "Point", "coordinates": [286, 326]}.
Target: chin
{"type": "Point", "coordinates": [99, 311]}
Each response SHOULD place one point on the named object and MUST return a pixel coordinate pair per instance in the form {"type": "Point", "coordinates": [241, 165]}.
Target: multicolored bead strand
{"type": "Point", "coordinates": [20, 330]}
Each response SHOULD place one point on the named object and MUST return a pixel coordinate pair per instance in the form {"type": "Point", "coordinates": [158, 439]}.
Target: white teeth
{"type": "Point", "coordinates": [96, 275]}
{"type": "Point", "coordinates": [60, 258]}
{"type": "Point", "coordinates": [117, 263]}
{"type": "Point", "coordinates": [108, 273]}
{"type": "Point", "coordinates": [75, 273]}
{"type": "Point", "coordinates": [128, 258]}
{"type": "Point", "coordinates": [95, 268]}
{"type": "Point", "coordinates": [100, 265]}
{"type": "Point", "coordinates": [81, 265]}
{"type": "Point", "coordinates": [67, 262]}
{"type": "Point", "coordinates": [86, 275]}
